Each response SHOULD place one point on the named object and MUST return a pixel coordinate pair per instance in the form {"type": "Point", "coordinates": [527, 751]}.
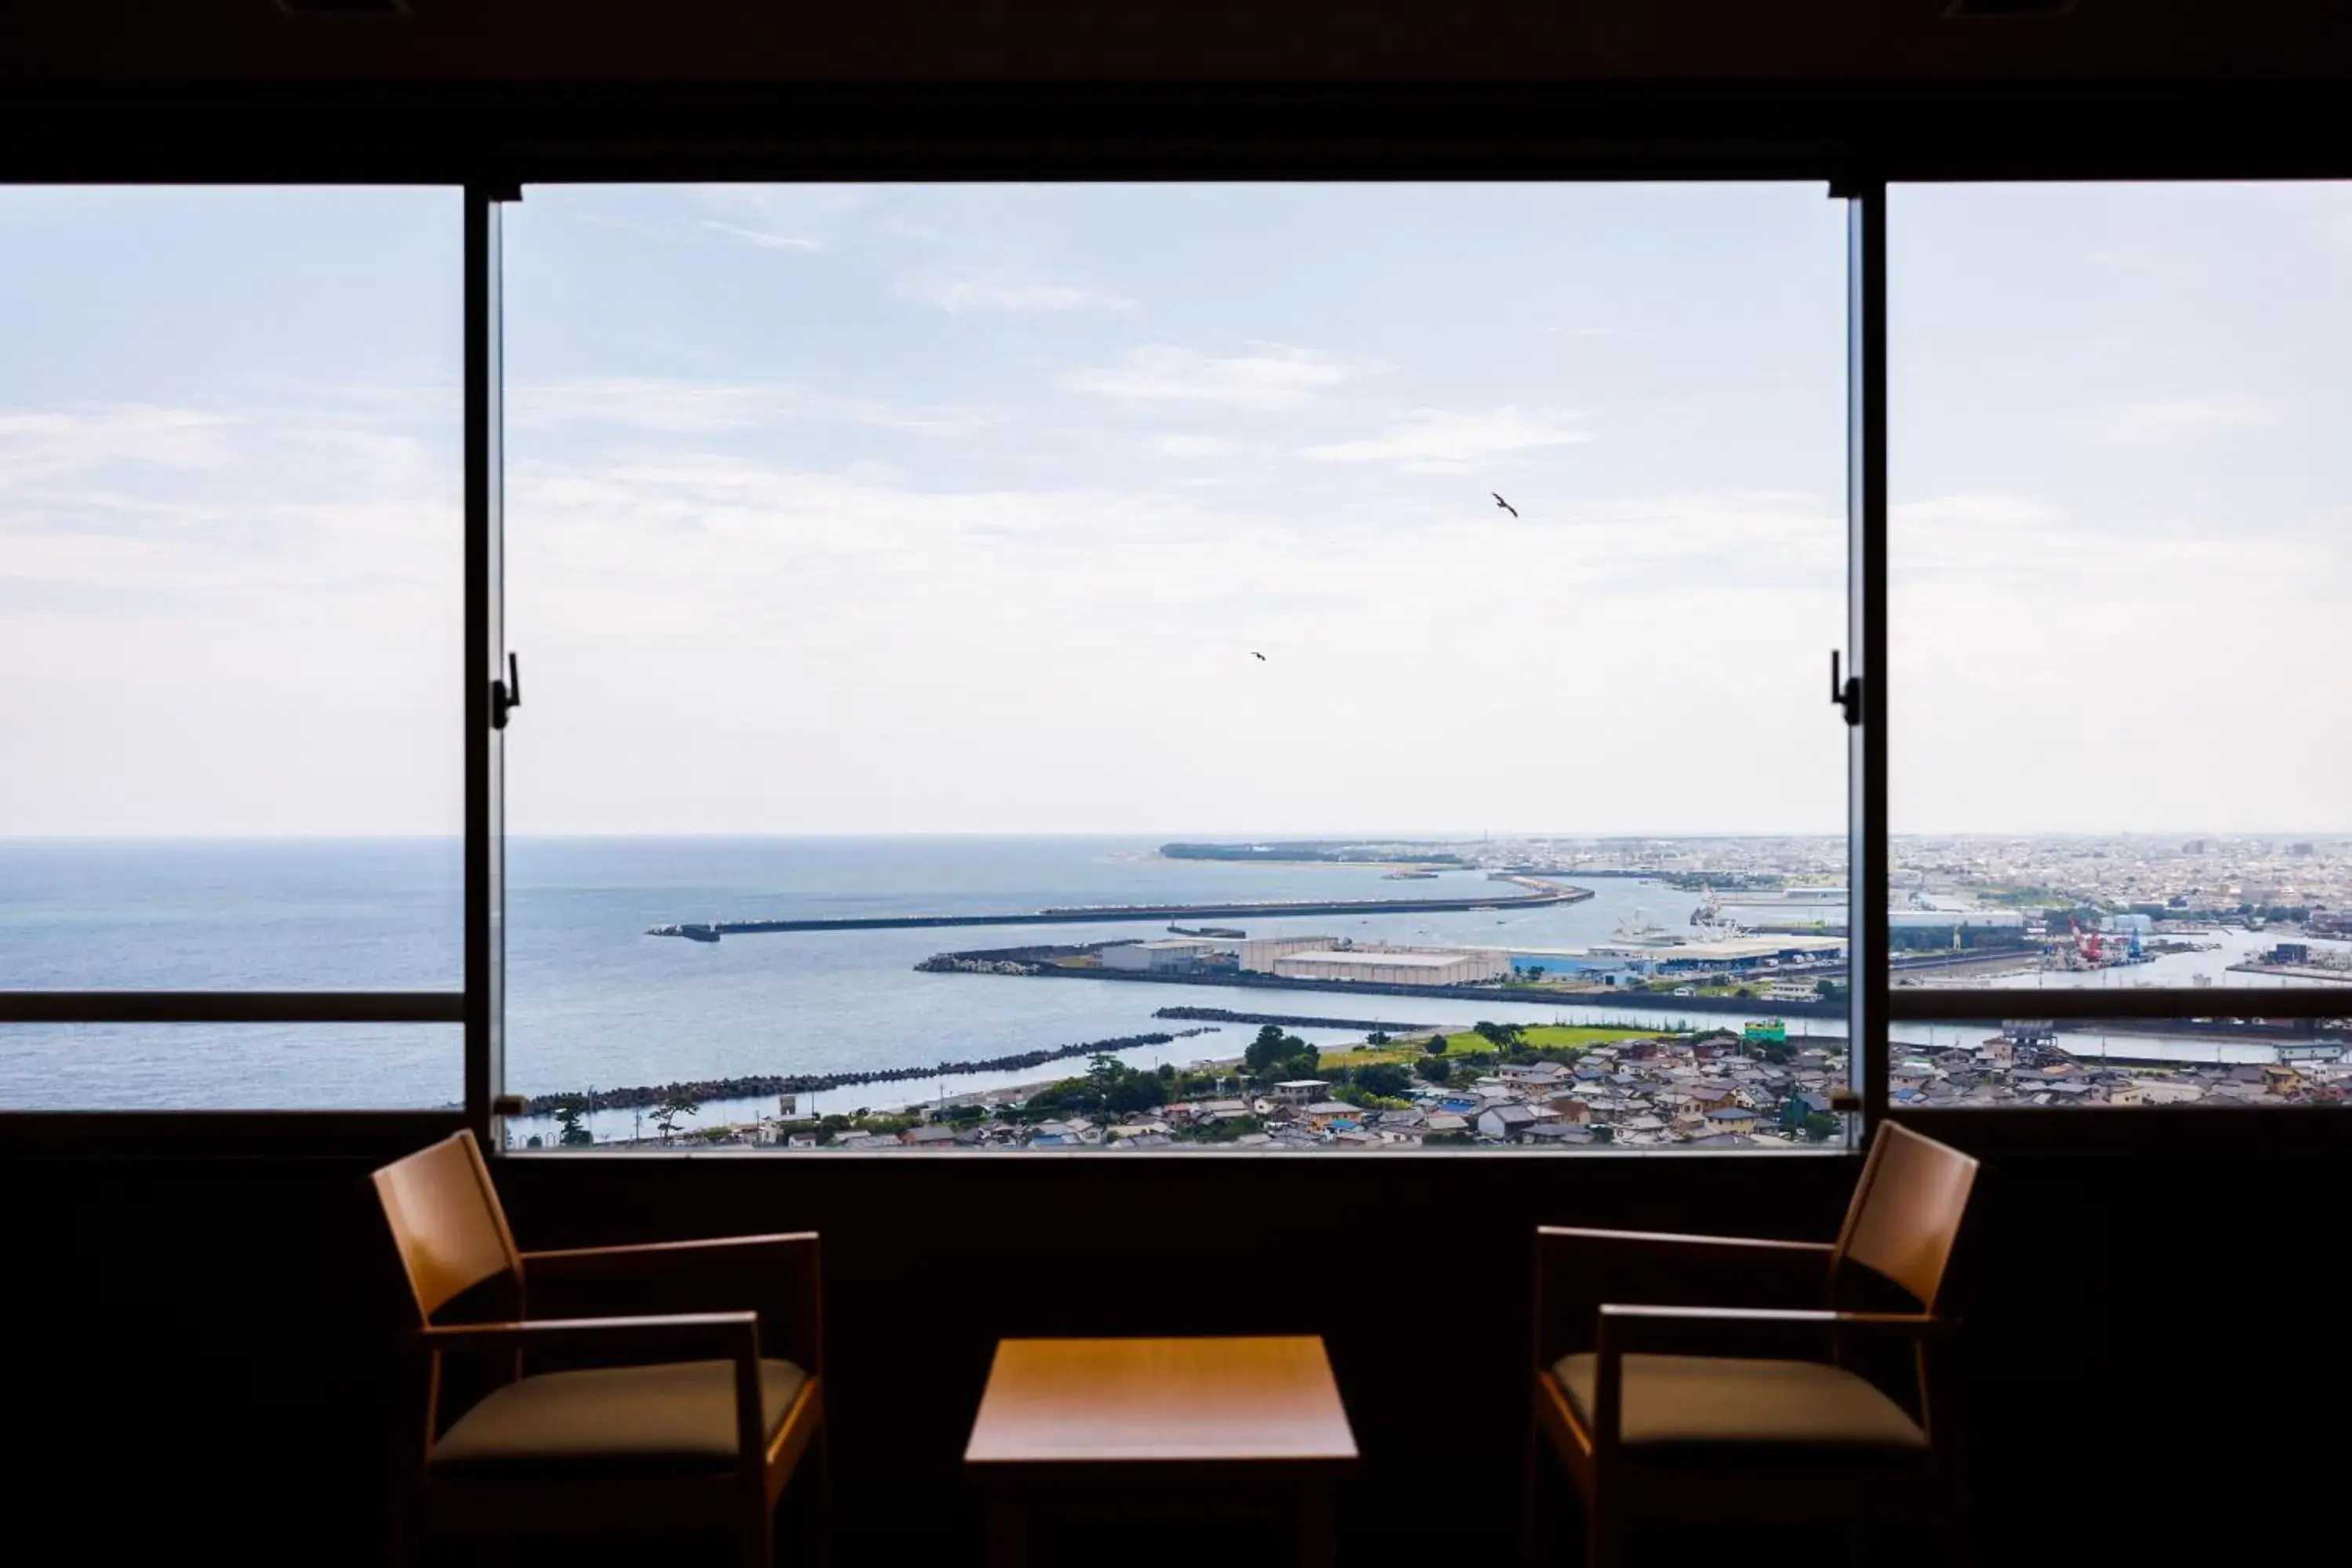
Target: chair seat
{"type": "Point", "coordinates": [671, 1417]}
{"type": "Point", "coordinates": [1698, 1407]}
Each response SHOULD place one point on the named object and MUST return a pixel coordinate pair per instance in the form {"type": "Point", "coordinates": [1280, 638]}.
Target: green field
{"type": "Point", "coordinates": [1537, 1037]}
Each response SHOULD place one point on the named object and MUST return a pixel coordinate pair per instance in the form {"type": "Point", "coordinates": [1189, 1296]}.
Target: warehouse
{"type": "Point", "coordinates": [1373, 965]}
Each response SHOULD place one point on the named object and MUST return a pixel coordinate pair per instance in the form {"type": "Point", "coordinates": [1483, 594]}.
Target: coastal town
{"type": "Point", "coordinates": [1722, 1030]}
{"type": "Point", "coordinates": [1546, 1087]}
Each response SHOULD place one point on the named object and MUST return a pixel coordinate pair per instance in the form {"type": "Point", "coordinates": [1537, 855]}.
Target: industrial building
{"type": "Point", "coordinates": [1164, 955]}
{"type": "Point", "coordinates": [1259, 953]}
{"type": "Point", "coordinates": [1375, 965]}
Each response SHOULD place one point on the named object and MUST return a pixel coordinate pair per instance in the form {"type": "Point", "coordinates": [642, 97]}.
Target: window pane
{"type": "Point", "coordinates": [231, 1067]}
{"type": "Point", "coordinates": [2121, 550]}
{"type": "Point", "coordinates": [968, 553]}
{"type": "Point", "coordinates": [2217, 1061]}
{"type": "Point", "coordinates": [230, 593]}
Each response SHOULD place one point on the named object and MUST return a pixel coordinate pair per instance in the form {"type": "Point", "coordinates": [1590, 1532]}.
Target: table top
{"type": "Point", "coordinates": [1059, 1402]}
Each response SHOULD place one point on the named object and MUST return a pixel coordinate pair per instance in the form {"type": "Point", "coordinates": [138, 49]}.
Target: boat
{"type": "Point", "coordinates": [1639, 930]}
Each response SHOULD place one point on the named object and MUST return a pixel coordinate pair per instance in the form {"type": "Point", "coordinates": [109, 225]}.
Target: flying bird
{"type": "Point", "coordinates": [1507, 506]}
{"type": "Point", "coordinates": [1257, 655]}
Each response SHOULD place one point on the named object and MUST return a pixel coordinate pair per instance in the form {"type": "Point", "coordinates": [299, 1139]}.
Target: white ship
{"type": "Point", "coordinates": [1638, 930]}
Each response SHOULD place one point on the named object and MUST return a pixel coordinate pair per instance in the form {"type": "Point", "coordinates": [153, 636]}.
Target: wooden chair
{"type": "Point", "coordinates": [1770, 1416]}
{"type": "Point", "coordinates": [675, 1420]}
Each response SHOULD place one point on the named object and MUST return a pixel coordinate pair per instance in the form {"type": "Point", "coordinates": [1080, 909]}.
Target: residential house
{"type": "Point", "coordinates": [1505, 1121]}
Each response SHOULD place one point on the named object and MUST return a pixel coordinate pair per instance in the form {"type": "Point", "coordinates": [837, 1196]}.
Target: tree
{"type": "Point", "coordinates": [1377, 1038]}
{"type": "Point", "coordinates": [570, 1133]}
{"type": "Point", "coordinates": [1434, 1044]}
{"type": "Point", "coordinates": [1437, 1069]}
{"type": "Point", "coordinates": [1135, 1091]}
{"type": "Point", "coordinates": [1820, 1127]}
{"type": "Point", "coordinates": [674, 1105]}
{"type": "Point", "coordinates": [1384, 1079]}
{"type": "Point", "coordinates": [1270, 1046]}
{"type": "Point", "coordinates": [1275, 1055]}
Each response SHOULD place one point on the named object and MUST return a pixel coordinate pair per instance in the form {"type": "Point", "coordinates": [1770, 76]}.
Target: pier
{"type": "Point", "coordinates": [1536, 895]}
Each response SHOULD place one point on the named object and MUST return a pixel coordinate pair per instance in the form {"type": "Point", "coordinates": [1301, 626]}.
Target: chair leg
{"type": "Point", "coordinates": [1600, 1533]}
{"type": "Point", "coordinates": [1531, 1518]}
{"type": "Point", "coordinates": [759, 1529]}
{"type": "Point", "coordinates": [820, 1495]}
{"type": "Point", "coordinates": [407, 1531]}
{"type": "Point", "coordinates": [1953, 1521]}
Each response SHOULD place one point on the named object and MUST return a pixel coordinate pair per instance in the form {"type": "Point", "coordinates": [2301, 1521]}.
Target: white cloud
{"type": "Point", "coordinates": [51, 442]}
{"type": "Point", "coordinates": [766, 240]}
{"type": "Point", "coordinates": [1969, 514]}
{"type": "Point", "coordinates": [1276, 377]}
{"type": "Point", "coordinates": [1435, 440]}
{"type": "Point", "coordinates": [2161, 419]}
{"type": "Point", "coordinates": [675, 407]}
{"type": "Point", "coordinates": [1018, 298]}
{"type": "Point", "coordinates": [1194, 445]}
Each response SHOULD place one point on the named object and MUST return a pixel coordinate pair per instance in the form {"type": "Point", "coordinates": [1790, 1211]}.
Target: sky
{"type": "Point", "coordinates": [932, 509]}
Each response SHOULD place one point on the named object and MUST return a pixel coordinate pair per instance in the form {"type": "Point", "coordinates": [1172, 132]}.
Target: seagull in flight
{"type": "Point", "coordinates": [1257, 655]}
{"type": "Point", "coordinates": [1507, 506]}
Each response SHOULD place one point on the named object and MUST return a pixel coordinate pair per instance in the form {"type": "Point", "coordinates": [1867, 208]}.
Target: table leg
{"type": "Point", "coordinates": [1318, 1545]}
{"type": "Point", "coordinates": [1008, 1533]}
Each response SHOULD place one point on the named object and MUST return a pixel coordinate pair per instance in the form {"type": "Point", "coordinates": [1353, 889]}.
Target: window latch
{"type": "Point", "coordinates": [506, 696]}
{"type": "Point", "coordinates": [1846, 694]}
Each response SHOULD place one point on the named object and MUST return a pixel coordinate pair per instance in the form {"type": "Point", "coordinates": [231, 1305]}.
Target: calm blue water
{"type": "Point", "coordinates": [593, 1001]}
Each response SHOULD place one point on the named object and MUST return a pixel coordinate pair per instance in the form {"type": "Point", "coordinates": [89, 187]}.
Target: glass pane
{"type": "Point", "coordinates": [2120, 564]}
{"type": "Point", "coordinates": [2217, 1061]}
{"type": "Point", "coordinates": [231, 1067]}
{"type": "Point", "coordinates": [230, 595]}
{"type": "Point", "coordinates": [1253, 608]}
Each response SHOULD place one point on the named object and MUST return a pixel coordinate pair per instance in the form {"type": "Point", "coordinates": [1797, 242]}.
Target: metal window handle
{"type": "Point", "coordinates": [1846, 694]}
{"type": "Point", "coordinates": [506, 696]}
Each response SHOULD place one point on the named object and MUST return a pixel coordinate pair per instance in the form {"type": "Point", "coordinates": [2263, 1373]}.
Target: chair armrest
{"type": "Point", "coordinates": [729, 1334]}
{"type": "Point", "coordinates": [1668, 1241]}
{"type": "Point", "coordinates": [640, 1254]}
{"type": "Point", "coordinates": [778, 1274]}
{"type": "Point", "coordinates": [1577, 1269]}
{"type": "Point", "coordinates": [735, 1336]}
{"type": "Point", "coordinates": [1627, 1327]}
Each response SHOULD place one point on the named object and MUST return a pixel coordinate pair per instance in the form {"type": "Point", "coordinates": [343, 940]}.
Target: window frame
{"type": "Point", "coordinates": [1861, 181]}
{"type": "Point", "coordinates": [472, 1005]}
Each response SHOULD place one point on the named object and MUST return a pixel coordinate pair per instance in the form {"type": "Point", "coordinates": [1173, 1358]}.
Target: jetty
{"type": "Point", "coordinates": [1532, 894]}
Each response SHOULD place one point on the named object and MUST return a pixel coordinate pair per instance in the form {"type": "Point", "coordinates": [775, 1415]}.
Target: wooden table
{"type": "Point", "coordinates": [1123, 1429]}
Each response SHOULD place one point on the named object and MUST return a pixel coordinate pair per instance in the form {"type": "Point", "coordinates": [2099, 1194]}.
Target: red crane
{"type": "Point", "coordinates": [2086, 942]}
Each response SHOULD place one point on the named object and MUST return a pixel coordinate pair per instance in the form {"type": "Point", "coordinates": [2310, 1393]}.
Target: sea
{"type": "Point", "coordinates": [593, 1002]}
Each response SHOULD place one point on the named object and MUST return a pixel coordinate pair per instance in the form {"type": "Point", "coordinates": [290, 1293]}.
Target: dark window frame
{"type": "Point", "coordinates": [1856, 139]}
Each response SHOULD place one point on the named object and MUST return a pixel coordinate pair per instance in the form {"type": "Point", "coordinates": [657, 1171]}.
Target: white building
{"type": "Point", "coordinates": [1374, 966]}
{"type": "Point", "coordinates": [1162, 955]}
{"type": "Point", "coordinates": [1259, 953]}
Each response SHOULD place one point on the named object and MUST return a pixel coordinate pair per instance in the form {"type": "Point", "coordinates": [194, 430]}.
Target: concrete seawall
{"type": "Point", "coordinates": [1753, 1007]}
{"type": "Point", "coordinates": [1542, 894]}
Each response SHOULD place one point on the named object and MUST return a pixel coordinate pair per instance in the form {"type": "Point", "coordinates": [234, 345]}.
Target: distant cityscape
{"type": "Point", "coordinates": [1746, 1046]}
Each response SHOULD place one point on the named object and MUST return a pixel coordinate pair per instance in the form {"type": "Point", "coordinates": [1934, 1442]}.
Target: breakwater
{"type": "Point", "coordinates": [1534, 895]}
{"type": "Point", "coordinates": [1043, 962]}
{"type": "Point", "coordinates": [1289, 1020]}
{"type": "Point", "coordinates": [758, 1086]}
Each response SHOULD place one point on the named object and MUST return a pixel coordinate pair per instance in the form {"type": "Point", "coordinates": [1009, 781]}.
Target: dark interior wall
{"type": "Point", "coordinates": [202, 1342]}
{"type": "Point", "coordinates": [227, 1319]}
{"type": "Point", "coordinates": [809, 41]}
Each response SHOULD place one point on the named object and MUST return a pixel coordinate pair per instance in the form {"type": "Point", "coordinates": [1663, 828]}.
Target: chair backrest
{"type": "Point", "coordinates": [1907, 1211]}
{"type": "Point", "coordinates": [446, 1222]}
